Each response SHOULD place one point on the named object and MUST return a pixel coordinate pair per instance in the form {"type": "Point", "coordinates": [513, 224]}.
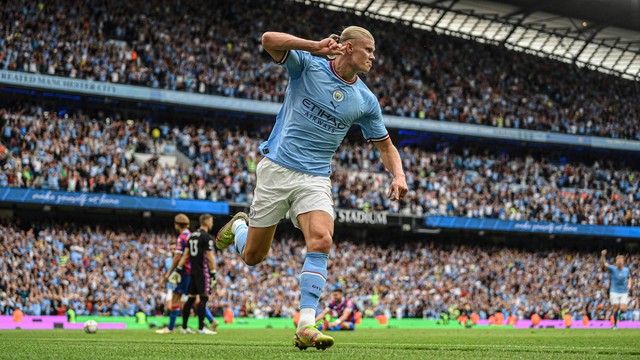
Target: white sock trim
{"type": "Point", "coordinates": [235, 225]}
{"type": "Point", "coordinates": [313, 273]}
{"type": "Point", "coordinates": [307, 317]}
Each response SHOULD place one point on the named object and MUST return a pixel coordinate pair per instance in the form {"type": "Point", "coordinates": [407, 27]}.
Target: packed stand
{"type": "Point", "coordinates": [76, 153]}
{"type": "Point", "coordinates": [192, 46]}
{"type": "Point", "coordinates": [474, 183]}
{"type": "Point", "coordinates": [97, 271]}
{"type": "Point", "coordinates": [92, 270]}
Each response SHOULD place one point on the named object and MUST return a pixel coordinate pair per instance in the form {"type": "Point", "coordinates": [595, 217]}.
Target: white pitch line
{"type": "Point", "coordinates": [195, 341]}
{"type": "Point", "coordinates": [494, 346]}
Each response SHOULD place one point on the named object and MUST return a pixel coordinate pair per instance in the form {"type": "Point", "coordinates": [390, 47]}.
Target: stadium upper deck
{"type": "Point", "coordinates": [216, 50]}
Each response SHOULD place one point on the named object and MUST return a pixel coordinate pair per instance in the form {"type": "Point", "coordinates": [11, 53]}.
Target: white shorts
{"type": "Point", "coordinates": [279, 190]}
{"type": "Point", "coordinates": [618, 298]}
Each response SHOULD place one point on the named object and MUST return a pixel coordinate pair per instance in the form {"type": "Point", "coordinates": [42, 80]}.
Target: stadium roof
{"type": "Point", "coordinates": [620, 13]}
{"type": "Point", "coordinates": [603, 36]}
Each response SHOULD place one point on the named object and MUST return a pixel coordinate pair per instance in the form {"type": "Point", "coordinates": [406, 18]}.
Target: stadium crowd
{"type": "Point", "coordinates": [192, 46]}
{"type": "Point", "coordinates": [93, 270]}
{"type": "Point", "coordinates": [77, 153]}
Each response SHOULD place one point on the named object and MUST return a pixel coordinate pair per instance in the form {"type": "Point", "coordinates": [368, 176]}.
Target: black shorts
{"type": "Point", "coordinates": [199, 284]}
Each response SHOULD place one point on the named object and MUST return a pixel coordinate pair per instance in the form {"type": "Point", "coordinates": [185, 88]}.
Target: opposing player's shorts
{"type": "Point", "coordinates": [183, 285]}
{"type": "Point", "coordinates": [279, 190]}
{"type": "Point", "coordinates": [618, 298]}
{"type": "Point", "coordinates": [199, 284]}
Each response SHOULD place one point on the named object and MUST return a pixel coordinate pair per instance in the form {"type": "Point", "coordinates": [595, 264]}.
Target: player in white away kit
{"type": "Point", "coordinates": [322, 101]}
{"type": "Point", "coordinates": [619, 286]}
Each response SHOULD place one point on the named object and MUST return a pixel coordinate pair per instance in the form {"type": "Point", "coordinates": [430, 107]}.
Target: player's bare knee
{"type": "Point", "coordinates": [251, 258]}
{"type": "Point", "coordinates": [320, 243]}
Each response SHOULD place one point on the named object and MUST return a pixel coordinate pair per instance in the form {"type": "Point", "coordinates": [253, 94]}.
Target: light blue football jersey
{"type": "Point", "coordinates": [318, 110]}
{"type": "Point", "coordinates": [619, 279]}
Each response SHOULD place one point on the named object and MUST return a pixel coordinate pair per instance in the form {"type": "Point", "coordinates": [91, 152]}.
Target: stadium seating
{"type": "Point", "coordinates": [216, 50]}
{"type": "Point", "coordinates": [91, 155]}
{"type": "Point", "coordinates": [109, 272]}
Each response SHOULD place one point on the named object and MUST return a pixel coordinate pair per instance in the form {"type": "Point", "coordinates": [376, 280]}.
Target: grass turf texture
{"type": "Point", "coordinates": [363, 344]}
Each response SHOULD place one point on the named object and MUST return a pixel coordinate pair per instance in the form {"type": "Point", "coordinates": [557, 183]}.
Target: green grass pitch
{"type": "Point", "coordinates": [361, 344]}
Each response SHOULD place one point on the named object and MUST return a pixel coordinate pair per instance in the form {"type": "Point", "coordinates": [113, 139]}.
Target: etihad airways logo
{"type": "Point", "coordinates": [322, 118]}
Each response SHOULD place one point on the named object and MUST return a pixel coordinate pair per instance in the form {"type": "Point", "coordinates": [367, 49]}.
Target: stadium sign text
{"type": "Point", "coordinates": [79, 199]}
{"type": "Point", "coordinates": [314, 112]}
{"type": "Point", "coordinates": [57, 83]}
{"type": "Point", "coordinates": [111, 201]}
{"type": "Point", "coordinates": [361, 217]}
{"type": "Point", "coordinates": [539, 227]}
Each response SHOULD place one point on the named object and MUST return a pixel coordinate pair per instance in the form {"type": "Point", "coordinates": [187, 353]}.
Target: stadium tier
{"type": "Point", "coordinates": [216, 50]}
{"type": "Point", "coordinates": [97, 271]}
{"type": "Point", "coordinates": [83, 154]}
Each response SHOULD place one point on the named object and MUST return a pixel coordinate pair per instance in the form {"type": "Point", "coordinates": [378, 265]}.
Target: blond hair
{"type": "Point", "coordinates": [352, 32]}
{"type": "Point", "coordinates": [204, 218]}
{"type": "Point", "coordinates": [182, 220]}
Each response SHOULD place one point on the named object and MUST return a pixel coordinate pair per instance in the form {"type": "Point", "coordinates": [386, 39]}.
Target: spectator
{"type": "Point", "coordinates": [120, 274]}
{"type": "Point", "coordinates": [78, 153]}
{"type": "Point", "coordinates": [207, 49]}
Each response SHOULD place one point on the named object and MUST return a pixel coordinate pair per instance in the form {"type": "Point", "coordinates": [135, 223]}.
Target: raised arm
{"type": "Point", "coordinates": [277, 44]}
{"type": "Point", "coordinates": [391, 160]}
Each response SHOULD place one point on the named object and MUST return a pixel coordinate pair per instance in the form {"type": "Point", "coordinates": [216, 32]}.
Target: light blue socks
{"type": "Point", "coordinates": [312, 279]}
{"type": "Point", "coordinates": [240, 239]}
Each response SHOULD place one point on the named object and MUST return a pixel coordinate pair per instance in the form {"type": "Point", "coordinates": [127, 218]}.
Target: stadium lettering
{"type": "Point", "coordinates": [361, 217]}
{"type": "Point", "coordinates": [55, 83]}
{"type": "Point", "coordinates": [73, 199]}
{"type": "Point", "coordinates": [546, 228]}
{"type": "Point", "coordinates": [49, 197]}
{"type": "Point", "coordinates": [105, 200]}
{"type": "Point", "coordinates": [567, 228]}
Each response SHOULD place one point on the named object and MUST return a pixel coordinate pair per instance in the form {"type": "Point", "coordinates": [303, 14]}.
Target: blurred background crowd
{"type": "Point", "coordinates": [96, 271]}
{"type": "Point", "coordinates": [78, 153]}
{"type": "Point", "coordinates": [191, 46]}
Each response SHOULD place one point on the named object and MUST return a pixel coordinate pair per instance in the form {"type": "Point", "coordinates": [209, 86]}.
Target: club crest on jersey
{"type": "Point", "coordinates": [338, 96]}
